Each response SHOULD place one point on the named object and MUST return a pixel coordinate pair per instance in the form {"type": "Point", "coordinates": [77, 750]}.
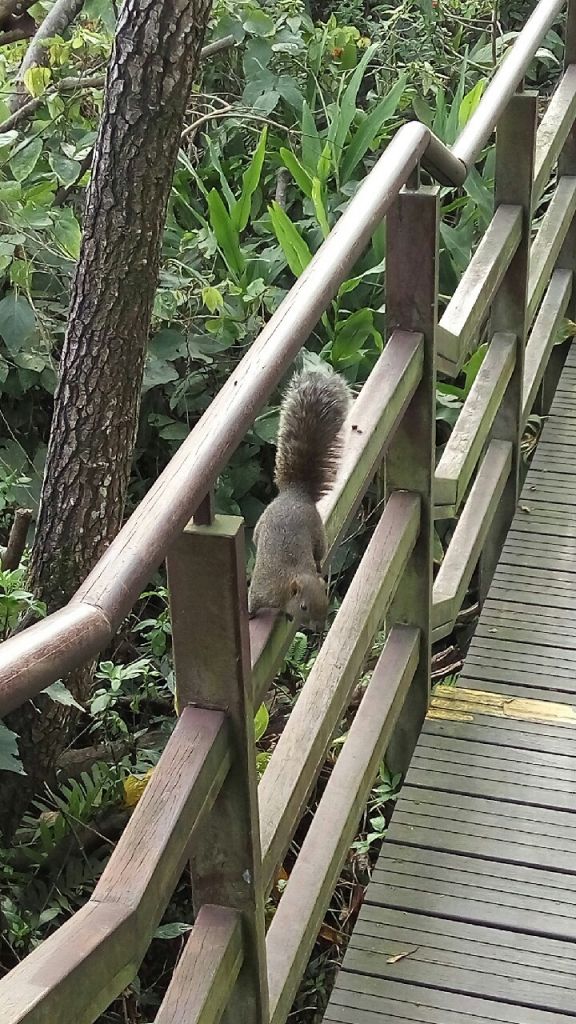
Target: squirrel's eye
{"type": "Point", "coordinates": [304, 607]}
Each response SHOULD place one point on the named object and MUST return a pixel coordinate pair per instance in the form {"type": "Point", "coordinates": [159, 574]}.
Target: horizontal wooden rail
{"type": "Point", "coordinates": [47, 651]}
{"type": "Point", "coordinates": [371, 425]}
{"type": "Point", "coordinates": [554, 130]}
{"type": "Point", "coordinates": [464, 550]}
{"type": "Point", "coordinates": [467, 311]}
{"type": "Point", "coordinates": [544, 335]}
{"type": "Point", "coordinates": [468, 308]}
{"type": "Point", "coordinates": [206, 972]}
{"type": "Point", "coordinates": [117, 580]}
{"type": "Point", "coordinates": [301, 749]}
{"type": "Point", "coordinates": [467, 440]}
{"type": "Point", "coordinates": [297, 920]}
{"type": "Point", "coordinates": [74, 975]}
{"type": "Point", "coordinates": [549, 240]}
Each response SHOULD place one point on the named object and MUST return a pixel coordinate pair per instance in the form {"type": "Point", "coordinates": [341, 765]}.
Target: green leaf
{"type": "Point", "coordinates": [17, 321]}
{"type": "Point", "coordinates": [67, 233]}
{"type": "Point", "coordinates": [311, 144]}
{"type": "Point", "coordinates": [225, 232]}
{"type": "Point", "coordinates": [259, 24]}
{"type": "Point", "coordinates": [173, 930]}
{"type": "Point", "coordinates": [325, 163]}
{"type": "Point", "coordinates": [347, 347]}
{"type": "Point", "coordinates": [250, 182]}
{"type": "Point", "coordinates": [66, 170]}
{"type": "Point", "coordinates": [9, 760]}
{"type": "Point", "coordinates": [300, 175]}
{"type": "Point", "coordinates": [157, 372]}
{"type": "Point", "coordinates": [36, 80]}
{"type": "Point", "coordinates": [470, 102]}
{"type": "Point", "coordinates": [25, 158]}
{"type": "Point", "coordinates": [289, 91]}
{"type": "Point", "coordinates": [261, 722]}
{"type": "Point", "coordinates": [104, 10]}
{"type": "Point", "coordinates": [370, 128]}
{"type": "Point", "coordinates": [295, 249]}
{"type": "Point", "coordinates": [319, 207]}
{"type": "Point", "coordinates": [344, 116]}
{"type": "Point", "coordinates": [60, 694]}
{"type": "Point", "coordinates": [212, 299]}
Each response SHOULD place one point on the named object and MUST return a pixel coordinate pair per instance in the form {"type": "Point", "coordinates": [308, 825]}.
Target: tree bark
{"type": "Point", "coordinates": [96, 403]}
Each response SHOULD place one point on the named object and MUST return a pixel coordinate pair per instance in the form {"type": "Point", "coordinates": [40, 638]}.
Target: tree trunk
{"type": "Point", "coordinates": [96, 403]}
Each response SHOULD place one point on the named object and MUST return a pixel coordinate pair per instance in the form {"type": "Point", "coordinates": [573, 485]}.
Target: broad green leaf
{"type": "Point", "coordinates": [300, 175]}
{"type": "Point", "coordinates": [295, 249]}
{"type": "Point", "coordinates": [36, 80]}
{"type": "Point", "coordinates": [311, 144]}
{"type": "Point", "coordinates": [347, 347]}
{"type": "Point", "coordinates": [470, 102]}
{"type": "Point", "coordinates": [259, 24]}
{"type": "Point", "coordinates": [156, 372]}
{"type": "Point", "coordinates": [250, 182]}
{"type": "Point", "coordinates": [172, 931]}
{"type": "Point", "coordinates": [266, 102]}
{"type": "Point", "coordinates": [370, 128]}
{"type": "Point", "coordinates": [225, 232]}
{"type": "Point", "coordinates": [289, 91]}
{"type": "Point", "coordinates": [344, 115]}
{"type": "Point", "coordinates": [452, 124]}
{"type": "Point", "coordinates": [319, 207]}
{"type": "Point", "coordinates": [9, 760]}
{"type": "Point", "coordinates": [325, 163]}
{"type": "Point", "coordinates": [35, 361]}
{"type": "Point", "coordinates": [25, 158]}
{"type": "Point", "coordinates": [104, 10]}
{"type": "Point", "coordinates": [215, 161]}
{"type": "Point", "coordinates": [17, 321]}
{"type": "Point", "coordinates": [60, 693]}
{"type": "Point", "coordinates": [66, 170]}
{"type": "Point", "coordinates": [168, 344]}
{"type": "Point", "coordinates": [261, 722]}
{"type": "Point", "coordinates": [212, 299]}
{"type": "Point", "coordinates": [67, 233]}
{"type": "Point", "coordinates": [7, 138]}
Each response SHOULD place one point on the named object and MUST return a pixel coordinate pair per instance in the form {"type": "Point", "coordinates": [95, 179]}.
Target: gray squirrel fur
{"type": "Point", "coordinates": [290, 537]}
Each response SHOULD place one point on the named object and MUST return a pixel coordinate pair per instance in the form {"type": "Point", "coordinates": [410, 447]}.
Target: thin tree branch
{"type": "Point", "coordinates": [14, 35]}
{"type": "Point", "coordinates": [282, 182]}
{"type": "Point", "coordinates": [88, 82]}
{"type": "Point", "coordinates": [17, 540]}
{"type": "Point", "coordinates": [57, 21]}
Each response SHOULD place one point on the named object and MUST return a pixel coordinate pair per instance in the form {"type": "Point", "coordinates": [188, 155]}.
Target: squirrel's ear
{"type": "Point", "coordinates": [294, 588]}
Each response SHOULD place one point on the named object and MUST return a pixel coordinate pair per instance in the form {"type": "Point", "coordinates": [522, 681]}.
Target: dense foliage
{"type": "Point", "coordinates": [283, 126]}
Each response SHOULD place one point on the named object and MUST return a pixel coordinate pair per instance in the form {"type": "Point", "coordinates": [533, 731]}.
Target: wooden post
{"type": "Point", "coordinates": [208, 599]}
{"type": "Point", "coordinates": [515, 141]}
{"type": "Point", "coordinates": [412, 305]}
{"type": "Point", "coordinates": [567, 257]}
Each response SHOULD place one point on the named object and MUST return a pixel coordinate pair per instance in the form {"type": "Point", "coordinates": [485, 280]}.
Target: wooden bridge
{"type": "Point", "coordinates": [469, 917]}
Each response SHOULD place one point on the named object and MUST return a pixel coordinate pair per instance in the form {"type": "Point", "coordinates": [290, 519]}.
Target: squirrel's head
{"type": "Point", "coordinates": [308, 602]}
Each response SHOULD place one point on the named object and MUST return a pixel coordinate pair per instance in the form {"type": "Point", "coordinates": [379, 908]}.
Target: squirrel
{"type": "Point", "coordinates": [289, 536]}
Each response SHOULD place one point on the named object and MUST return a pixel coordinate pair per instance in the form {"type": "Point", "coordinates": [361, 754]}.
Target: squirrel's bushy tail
{"type": "Point", "coordinates": [309, 442]}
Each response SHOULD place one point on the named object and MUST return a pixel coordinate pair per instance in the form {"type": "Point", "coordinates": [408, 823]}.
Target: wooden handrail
{"type": "Point", "coordinates": [47, 650]}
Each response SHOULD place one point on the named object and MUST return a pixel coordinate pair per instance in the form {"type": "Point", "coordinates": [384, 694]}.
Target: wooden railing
{"type": "Point", "coordinates": [202, 804]}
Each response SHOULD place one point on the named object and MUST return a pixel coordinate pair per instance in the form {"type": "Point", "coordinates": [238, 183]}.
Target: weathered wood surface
{"type": "Point", "coordinates": [470, 917]}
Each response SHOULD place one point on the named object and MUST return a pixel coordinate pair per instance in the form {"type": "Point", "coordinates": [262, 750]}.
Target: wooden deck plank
{"type": "Point", "coordinates": [470, 916]}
